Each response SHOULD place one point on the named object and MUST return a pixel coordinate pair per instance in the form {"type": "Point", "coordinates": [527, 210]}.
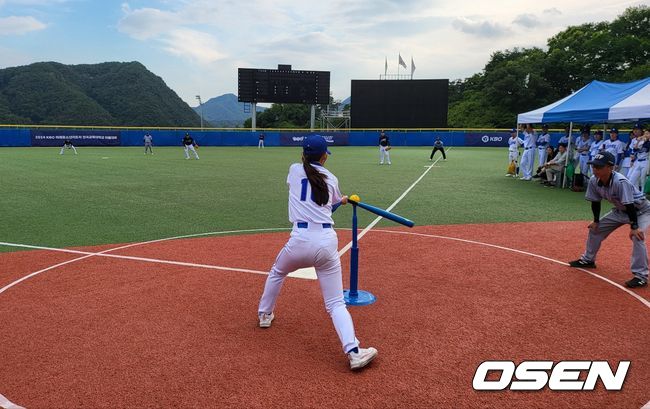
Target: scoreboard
{"type": "Point", "coordinates": [283, 85]}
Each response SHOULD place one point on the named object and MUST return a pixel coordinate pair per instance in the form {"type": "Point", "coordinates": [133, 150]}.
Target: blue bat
{"type": "Point", "coordinates": [383, 213]}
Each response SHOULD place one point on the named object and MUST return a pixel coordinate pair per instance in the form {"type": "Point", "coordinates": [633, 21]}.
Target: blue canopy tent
{"type": "Point", "coordinates": [596, 102]}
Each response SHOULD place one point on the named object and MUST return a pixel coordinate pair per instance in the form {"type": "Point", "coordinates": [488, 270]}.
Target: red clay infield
{"type": "Point", "coordinates": [115, 333]}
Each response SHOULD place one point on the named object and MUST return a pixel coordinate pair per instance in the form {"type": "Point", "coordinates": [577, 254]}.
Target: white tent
{"type": "Point", "coordinates": [596, 102]}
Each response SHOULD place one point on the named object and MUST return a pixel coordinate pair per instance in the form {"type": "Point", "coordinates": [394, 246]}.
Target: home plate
{"type": "Point", "coordinates": [308, 273]}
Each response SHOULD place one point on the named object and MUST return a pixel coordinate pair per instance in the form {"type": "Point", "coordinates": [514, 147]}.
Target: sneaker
{"type": "Point", "coordinates": [508, 175]}
{"type": "Point", "coordinates": [636, 282]}
{"type": "Point", "coordinates": [362, 358]}
{"type": "Point", "coordinates": [581, 263]}
{"type": "Point", "coordinates": [266, 319]}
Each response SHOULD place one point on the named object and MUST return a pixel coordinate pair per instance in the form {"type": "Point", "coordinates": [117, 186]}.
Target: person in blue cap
{"type": "Point", "coordinates": [630, 207]}
{"type": "Point", "coordinates": [313, 195]}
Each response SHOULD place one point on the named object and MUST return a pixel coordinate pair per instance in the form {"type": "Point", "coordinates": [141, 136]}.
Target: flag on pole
{"type": "Point", "coordinates": [412, 67]}
{"type": "Point", "coordinates": [401, 62]}
{"type": "Point", "coordinates": [386, 67]}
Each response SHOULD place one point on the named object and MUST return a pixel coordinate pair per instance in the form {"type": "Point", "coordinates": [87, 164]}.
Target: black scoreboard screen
{"type": "Point", "coordinates": [399, 103]}
{"type": "Point", "coordinates": [283, 86]}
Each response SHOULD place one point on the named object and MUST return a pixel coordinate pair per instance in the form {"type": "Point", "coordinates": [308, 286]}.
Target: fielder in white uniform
{"type": "Point", "coordinates": [384, 147]}
{"type": "Point", "coordinates": [543, 141]}
{"type": "Point", "coordinates": [514, 142]}
{"type": "Point", "coordinates": [313, 195]}
{"type": "Point", "coordinates": [528, 157]}
{"type": "Point", "coordinates": [189, 146]}
{"type": "Point", "coordinates": [67, 144]}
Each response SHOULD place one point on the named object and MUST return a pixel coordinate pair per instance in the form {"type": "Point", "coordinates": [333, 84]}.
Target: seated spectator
{"type": "Point", "coordinates": [550, 154]}
{"type": "Point", "coordinates": [555, 166]}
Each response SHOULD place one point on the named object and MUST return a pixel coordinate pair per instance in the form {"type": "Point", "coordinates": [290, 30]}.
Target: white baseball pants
{"type": "Point", "coordinates": [317, 247]}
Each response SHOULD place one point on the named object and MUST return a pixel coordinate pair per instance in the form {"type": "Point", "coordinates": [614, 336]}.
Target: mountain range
{"type": "Point", "coordinates": [225, 111]}
{"type": "Point", "coordinates": [111, 93]}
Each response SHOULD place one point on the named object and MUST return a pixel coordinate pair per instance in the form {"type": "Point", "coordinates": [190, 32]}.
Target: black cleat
{"type": "Point", "coordinates": [581, 263]}
{"type": "Point", "coordinates": [636, 282]}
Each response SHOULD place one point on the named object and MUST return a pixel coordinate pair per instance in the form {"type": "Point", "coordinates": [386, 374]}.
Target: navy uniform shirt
{"type": "Point", "coordinates": [187, 140]}
{"type": "Point", "coordinates": [383, 140]}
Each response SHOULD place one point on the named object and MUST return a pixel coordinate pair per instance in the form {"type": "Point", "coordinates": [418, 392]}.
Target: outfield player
{"type": "Point", "coordinates": [148, 143]}
{"type": "Point", "coordinates": [514, 142]}
{"type": "Point", "coordinates": [189, 146]}
{"type": "Point", "coordinates": [67, 144]}
{"type": "Point", "coordinates": [543, 141]}
{"type": "Point", "coordinates": [313, 195]}
{"type": "Point", "coordinates": [438, 146]}
{"type": "Point", "coordinates": [384, 147]}
{"type": "Point", "coordinates": [260, 143]}
{"type": "Point", "coordinates": [630, 207]}
{"type": "Point", "coordinates": [528, 157]}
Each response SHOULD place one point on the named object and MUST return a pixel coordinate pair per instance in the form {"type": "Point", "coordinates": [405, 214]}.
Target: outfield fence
{"type": "Point", "coordinates": [130, 136]}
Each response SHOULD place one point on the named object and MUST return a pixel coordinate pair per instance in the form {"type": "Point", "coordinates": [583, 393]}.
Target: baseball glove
{"type": "Point", "coordinates": [196, 146]}
{"type": "Point", "coordinates": [388, 148]}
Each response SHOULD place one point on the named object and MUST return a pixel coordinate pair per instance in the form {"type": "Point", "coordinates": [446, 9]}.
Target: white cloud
{"type": "Point", "coordinates": [146, 23]}
{"type": "Point", "coordinates": [527, 20]}
{"type": "Point", "coordinates": [13, 25]}
{"type": "Point", "coordinates": [200, 47]}
{"type": "Point", "coordinates": [552, 12]}
{"type": "Point", "coordinates": [480, 28]}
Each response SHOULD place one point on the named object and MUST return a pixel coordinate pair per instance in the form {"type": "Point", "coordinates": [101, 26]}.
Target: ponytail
{"type": "Point", "coordinates": [320, 193]}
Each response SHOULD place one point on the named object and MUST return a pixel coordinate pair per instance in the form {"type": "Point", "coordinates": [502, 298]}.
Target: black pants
{"type": "Point", "coordinates": [433, 152]}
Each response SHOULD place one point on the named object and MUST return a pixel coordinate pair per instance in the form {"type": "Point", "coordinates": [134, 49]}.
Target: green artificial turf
{"type": "Point", "coordinates": [115, 195]}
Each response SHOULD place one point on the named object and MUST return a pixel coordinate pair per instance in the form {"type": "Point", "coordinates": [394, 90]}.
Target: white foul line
{"type": "Point", "coordinates": [607, 280]}
{"type": "Point", "coordinates": [103, 253]}
{"type": "Point", "coordinates": [7, 404]}
{"type": "Point", "coordinates": [399, 199]}
{"type": "Point", "coordinates": [646, 406]}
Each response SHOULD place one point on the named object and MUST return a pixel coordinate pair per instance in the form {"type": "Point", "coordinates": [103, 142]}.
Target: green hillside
{"type": "Point", "coordinates": [112, 93]}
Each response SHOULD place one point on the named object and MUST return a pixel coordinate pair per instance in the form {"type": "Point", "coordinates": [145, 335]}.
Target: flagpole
{"type": "Point", "coordinates": [399, 55]}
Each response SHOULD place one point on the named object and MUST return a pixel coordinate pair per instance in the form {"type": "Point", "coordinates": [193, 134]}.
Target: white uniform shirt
{"type": "Point", "coordinates": [582, 144]}
{"type": "Point", "coordinates": [514, 142]}
{"type": "Point", "coordinates": [616, 148]}
{"type": "Point", "coordinates": [543, 140]}
{"type": "Point", "coordinates": [301, 207]}
{"type": "Point", "coordinates": [529, 139]}
{"type": "Point", "coordinates": [596, 146]}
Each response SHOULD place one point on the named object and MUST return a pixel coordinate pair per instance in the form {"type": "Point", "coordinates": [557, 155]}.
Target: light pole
{"type": "Point", "coordinates": [201, 106]}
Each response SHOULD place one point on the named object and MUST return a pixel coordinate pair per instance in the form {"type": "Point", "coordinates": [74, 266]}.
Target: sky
{"type": "Point", "coordinates": [196, 46]}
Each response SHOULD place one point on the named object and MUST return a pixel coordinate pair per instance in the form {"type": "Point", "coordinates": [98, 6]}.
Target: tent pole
{"type": "Point", "coordinates": [568, 150]}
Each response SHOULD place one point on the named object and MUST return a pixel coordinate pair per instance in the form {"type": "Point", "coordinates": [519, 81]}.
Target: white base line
{"type": "Point", "coordinates": [399, 199]}
{"type": "Point", "coordinates": [124, 247]}
{"type": "Point", "coordinates": [646, 406]}
{"type": "Point", "coordinates": [7, 404]}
